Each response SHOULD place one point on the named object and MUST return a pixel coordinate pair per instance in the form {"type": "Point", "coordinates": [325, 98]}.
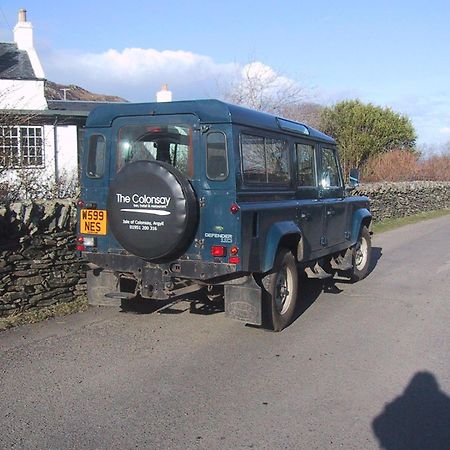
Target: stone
{"type": "Point", "coordinates": [25, 273]}
{"type": "Point", "coordinates": [30, 281]}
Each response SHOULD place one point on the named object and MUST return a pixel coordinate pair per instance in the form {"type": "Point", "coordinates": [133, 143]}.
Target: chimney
{"type": "Point", "coordinates": [164, 95]}
{"type": "Point", "coordinates": [23, 37]}
{"type": "Point", "coordinates": [23, 32]}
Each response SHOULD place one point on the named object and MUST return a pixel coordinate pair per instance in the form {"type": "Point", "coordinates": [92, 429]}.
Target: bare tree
{"type": "Point", "coordinates": [260, 87]}
{"type": "Point", "coordinates": [307, 113]}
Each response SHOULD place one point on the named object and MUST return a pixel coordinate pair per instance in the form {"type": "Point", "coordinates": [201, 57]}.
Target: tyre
{"type": "Point", "coordinates": [281, 287]}
{"type": "Point", "coordinates": [152, 210]}
{"type": "Point", "coordinates": [361, 255]}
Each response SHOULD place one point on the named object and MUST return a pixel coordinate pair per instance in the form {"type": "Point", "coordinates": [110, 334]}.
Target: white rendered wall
{"type": "Point", "coordinates": [67, 143]}
{"type": "Point", "coordinates": [67, 149]}
{"type": "Point", "coordinates": [22, 94]}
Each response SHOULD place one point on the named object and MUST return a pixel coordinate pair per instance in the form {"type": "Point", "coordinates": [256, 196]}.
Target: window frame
{"type": "Point", "coordinates": [19, 162]}
{"type": "Point", "coordinates": [226, 156]}
{"type": "Point", "coordinates": [96, 177]}
{"type": "Point", "coordinates": [313, 147]}
{"type": "Point", "coordinates": [191, 149]}
{"type": "Point", "coordinates": [336, 160]}
{"type": "Point", "coordinates": [265, 136]}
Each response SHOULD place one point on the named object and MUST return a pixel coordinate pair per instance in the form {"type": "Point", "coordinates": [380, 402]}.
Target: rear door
{"type": "Point", "coordinates": [172, 139]}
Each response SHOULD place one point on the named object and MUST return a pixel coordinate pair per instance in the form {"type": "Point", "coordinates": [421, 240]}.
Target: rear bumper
{"type": "Point", "coordinates": [182, 268]}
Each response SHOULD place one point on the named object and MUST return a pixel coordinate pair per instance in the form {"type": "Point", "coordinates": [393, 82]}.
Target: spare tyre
{"type": "Point", "coordinates": [152, 210]}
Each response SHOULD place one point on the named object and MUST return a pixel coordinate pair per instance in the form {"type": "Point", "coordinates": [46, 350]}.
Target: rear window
{"type": "Point", "coordinates": [171, 144]}
{"type": "Point", "coordinates": [96, 156]}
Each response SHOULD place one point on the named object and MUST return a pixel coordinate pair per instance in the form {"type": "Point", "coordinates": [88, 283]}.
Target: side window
{"type": "Point", "coordinates": [264, 160]}
{"type": "Point", "coordinates": [253, 159]}
{"type": "Point", "coordinates": [96, 156]}
{"type": "Point", "coordinates": [330, 169]}
{"type": "Point", "coordinates": [277, 161]}
{"type": "Point", "coordinates": [216, 157]}
{"type": "Point", "coordinates": [306, 165]}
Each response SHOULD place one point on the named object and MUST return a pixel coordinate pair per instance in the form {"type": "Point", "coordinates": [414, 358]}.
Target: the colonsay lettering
{"type": "Point", "coordinates": [143, 199]}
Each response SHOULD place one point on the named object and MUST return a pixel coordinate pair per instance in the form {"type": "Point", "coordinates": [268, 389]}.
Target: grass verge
{"type": "Point", "coordinates": [390, 224]}
{"type": "Point", "coordinates": [39, 314]}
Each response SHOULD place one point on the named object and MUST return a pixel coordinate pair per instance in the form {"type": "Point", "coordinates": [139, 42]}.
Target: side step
{"type": "Point", "coordinates": [343, 263]}
{"type": "Point", "coordinates": [317, 272]}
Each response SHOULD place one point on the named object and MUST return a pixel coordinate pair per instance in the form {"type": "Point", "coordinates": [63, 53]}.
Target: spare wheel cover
{"type": "Point", "coordinates": [152, 210]}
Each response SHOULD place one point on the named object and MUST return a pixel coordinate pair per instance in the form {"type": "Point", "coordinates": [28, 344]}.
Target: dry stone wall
{"type": "Point", "coordinates": [394, 200]}
{"type": "Point", "coordinates": [38, 262]}
{"type": "Point", "coordinates": [39, 265]}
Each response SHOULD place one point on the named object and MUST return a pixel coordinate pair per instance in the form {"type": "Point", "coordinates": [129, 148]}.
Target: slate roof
{"type": "Point", "coordinates": [73, 105]}
{"type": "Point", "coordinates": [14, 63]}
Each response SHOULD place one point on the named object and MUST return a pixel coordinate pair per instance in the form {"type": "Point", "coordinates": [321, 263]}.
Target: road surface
{"type": "Point", "coordinates": [364, 366]}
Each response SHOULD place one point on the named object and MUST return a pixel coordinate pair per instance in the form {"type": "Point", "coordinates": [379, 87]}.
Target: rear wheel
{"type": "Point", "coordinates": [282, 287]}
{"type": "Point", "coordinates": [361, 255]}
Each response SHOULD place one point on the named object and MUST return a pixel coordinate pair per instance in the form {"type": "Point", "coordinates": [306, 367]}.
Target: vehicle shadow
{"type": "Point", "coordinates": [310, 289]}
{"type": "Point", "coordinates": [139, 305]}
{"type": "Point", "coordinates": [198, 304]}
{"type": "Point", "coordinates": [377, 253]}
{"type": "Point", "coordinates": [417, 419]}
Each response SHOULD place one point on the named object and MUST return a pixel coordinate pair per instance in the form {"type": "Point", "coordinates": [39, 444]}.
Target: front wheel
{"type": "Point", "coordinates": [361, 255]}
{"type": "Point", "coordinates": [281, 286]}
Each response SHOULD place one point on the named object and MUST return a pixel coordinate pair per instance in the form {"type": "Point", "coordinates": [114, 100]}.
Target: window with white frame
{"type": "Point", "coordinates": [21, 147]}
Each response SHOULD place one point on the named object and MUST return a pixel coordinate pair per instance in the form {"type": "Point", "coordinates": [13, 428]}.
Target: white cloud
{"type": "Point", "coordinates": [445, 130]}
{"type": "Point", "coordinates": [136, 73]}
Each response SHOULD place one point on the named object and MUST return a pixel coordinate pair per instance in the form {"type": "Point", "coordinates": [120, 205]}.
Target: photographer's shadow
{"type": "Point", "coordinates": [418, 419]}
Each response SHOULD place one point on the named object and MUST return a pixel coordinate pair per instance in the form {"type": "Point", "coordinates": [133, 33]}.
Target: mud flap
{"type": "Point", "coordinates": [243, 301]}
{"type": "Point", "coordinates": [100, 283]}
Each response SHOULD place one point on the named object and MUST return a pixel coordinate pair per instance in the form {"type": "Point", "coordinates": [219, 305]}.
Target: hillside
{"type": "Point", "coordinates": [55, 91]}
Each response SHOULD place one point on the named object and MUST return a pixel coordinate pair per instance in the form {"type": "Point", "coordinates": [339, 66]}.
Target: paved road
{"type": "Point", "coordinates": [364, 364]}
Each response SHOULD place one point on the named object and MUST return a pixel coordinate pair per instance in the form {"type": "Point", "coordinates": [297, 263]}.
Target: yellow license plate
{"type": "Point", "coordinates": [93, 221]}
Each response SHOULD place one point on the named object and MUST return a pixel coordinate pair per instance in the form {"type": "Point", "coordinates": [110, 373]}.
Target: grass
{"type": "Point", "coordinates": [40, 314]}
{"type": "Point", "coordinates": [80, 304]}
{"type": "Point", "coordinates": [390, 224]}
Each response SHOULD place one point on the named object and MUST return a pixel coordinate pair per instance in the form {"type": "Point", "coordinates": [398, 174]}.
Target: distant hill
{"type": "Point", "coordinates": [55, 91]}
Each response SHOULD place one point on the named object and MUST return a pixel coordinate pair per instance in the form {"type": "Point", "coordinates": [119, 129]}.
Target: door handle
{"type": "Point", "coordinates": [305, 216]}
{"type": "Point", "coordinates": [331, 212]}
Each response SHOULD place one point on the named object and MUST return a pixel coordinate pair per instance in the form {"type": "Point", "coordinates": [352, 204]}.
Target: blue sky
{"type": "Point", "coordinates": [391, 53]}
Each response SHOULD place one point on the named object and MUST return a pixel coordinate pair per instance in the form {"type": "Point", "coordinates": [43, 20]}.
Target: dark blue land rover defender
{"type": "Point", "coordinates": [204, 195]}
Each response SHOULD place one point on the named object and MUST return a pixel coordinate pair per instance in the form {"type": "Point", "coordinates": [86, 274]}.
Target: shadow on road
{"type": "Point", "coordinates": [310, 290]}
{"type": "Point", "coordinates": [377, 253]}
{"type": "Point", "coordinates": [418, 419]}
{"type": "Point", "coordinates": [198, 304]}
{"type": "Point", "coordinates": [139, 305]}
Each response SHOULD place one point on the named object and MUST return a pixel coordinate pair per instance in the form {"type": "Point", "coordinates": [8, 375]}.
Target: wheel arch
{"type": "Point", "coordinates": [361, 217]}
{"type": "Point", "coordinates": [280, 235]}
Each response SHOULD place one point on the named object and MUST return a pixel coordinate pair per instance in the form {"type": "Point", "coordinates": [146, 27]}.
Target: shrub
{"type": "Point", "coordinates": [403, 165]}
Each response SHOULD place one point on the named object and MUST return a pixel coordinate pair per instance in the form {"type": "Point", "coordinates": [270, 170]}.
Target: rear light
{"type": "Point", "coordinates": [218, 250]}
{"type": "Point", "coordinates": [234, 260]}
{"type": "Point", "coordinates": [80, 244]}
{"type": "Point", "coordinates": [80, 203]}
{"type": "Point", "coordinates": [234, 250]}
{"type": "Point", "coordinates": [234, 208]}
{"type": "Point", "coordinates": [154, 129]}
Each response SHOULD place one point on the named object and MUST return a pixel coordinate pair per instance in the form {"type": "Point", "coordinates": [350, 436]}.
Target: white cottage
{"type": "Point", "coordinates": [38, 136]}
